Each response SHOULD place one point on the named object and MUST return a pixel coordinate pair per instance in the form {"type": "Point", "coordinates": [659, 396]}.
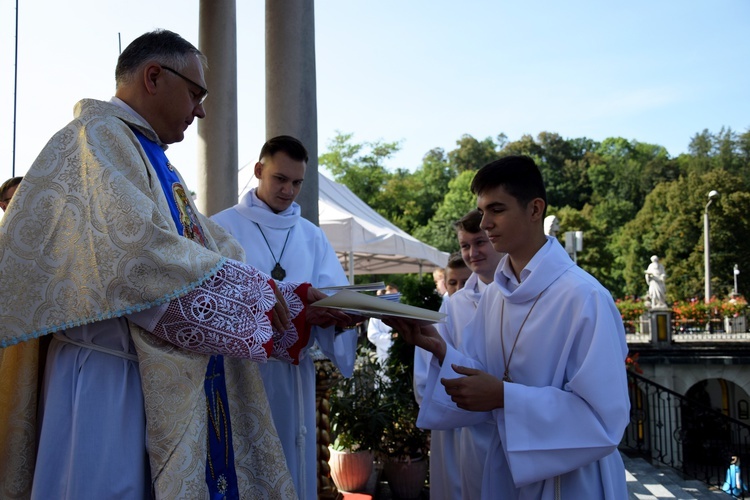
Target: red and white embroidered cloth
{"type": "Point", "coordinates": [230, 314]}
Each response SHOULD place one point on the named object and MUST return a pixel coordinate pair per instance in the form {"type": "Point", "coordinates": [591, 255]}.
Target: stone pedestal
{"type": "Point", "coordinates": [660, 325]}
{"type": "Point", "coordinates": [736, 324]}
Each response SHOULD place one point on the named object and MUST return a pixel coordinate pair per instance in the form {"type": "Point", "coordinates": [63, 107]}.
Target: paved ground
{"type": "Point", "coordinates": [645, 482]}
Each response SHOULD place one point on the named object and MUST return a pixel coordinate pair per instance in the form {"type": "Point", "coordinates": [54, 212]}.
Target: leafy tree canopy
{"type": "Point", "coordinates": [630, 198]}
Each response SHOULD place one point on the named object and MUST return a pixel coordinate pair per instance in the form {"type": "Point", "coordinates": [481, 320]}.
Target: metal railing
{"type": "Point", "coordinates": [717, 331]}
{"type": "Point", "coordinates": [686, 435]}
{"type": "Point", "coordinates": [683, 327]}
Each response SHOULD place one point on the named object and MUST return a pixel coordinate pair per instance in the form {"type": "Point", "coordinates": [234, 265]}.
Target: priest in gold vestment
{"type": "Point", "coordinates": [129, 325]}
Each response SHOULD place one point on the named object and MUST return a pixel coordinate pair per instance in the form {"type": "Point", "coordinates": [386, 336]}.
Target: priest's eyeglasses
{"type": "Point", "coordinates": [201, 96]}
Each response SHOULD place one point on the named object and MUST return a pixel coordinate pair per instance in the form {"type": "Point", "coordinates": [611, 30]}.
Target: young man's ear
{"type": "Point", "coordinates": [258, 170]}
{"type": "Point", "coordinates": [537, 209]}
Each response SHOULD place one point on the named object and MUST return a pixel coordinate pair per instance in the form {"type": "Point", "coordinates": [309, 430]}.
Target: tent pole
{"type": "Point", "coordinates": [351, 268]}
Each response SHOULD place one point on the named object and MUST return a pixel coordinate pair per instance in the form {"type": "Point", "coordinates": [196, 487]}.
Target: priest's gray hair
{"type": "Point", "coordinates": [163, 46]}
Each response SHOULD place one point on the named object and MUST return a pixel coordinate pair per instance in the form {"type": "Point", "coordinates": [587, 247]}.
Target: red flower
{"type": "Point", "coordinates": [631, 363]}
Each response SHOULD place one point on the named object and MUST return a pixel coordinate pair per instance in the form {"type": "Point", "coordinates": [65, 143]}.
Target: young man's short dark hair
{"type": "Point", "coordinates": [13, 181]}
{"type": "Point", "coordinates": [286, 143]}
{"type": "Point", "coordinates": [469, 223]}
{"type": "Point", "coordinates": [456, 261]}
{"type": "Point", "coordinates": [517, 174]}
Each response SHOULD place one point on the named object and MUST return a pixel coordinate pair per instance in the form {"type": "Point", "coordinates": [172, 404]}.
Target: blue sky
{"type": "Point", "coordinates": [422, 72]}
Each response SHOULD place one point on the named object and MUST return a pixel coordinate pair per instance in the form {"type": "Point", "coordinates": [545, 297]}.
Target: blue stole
{"type": "Point", "coordinates": [221, 477]}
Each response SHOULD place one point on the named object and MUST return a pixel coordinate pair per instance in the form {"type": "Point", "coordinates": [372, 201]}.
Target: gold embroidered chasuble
{"type": "Point", "coordinates": [89, 237]}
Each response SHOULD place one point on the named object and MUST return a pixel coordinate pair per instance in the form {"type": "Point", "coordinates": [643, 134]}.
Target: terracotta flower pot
{"type": "Point", "coordinates": [351, 470]}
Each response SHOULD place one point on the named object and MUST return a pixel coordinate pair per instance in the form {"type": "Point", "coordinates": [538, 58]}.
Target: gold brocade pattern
{"type": "Point", "coordinates": [18, 393]}
{"type": "Point", "coordinates": [174, 395]}
{"type": "Point", "coordinates": [90, 237]}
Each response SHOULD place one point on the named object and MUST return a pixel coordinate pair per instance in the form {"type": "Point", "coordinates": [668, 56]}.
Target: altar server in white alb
{"type": "Point", "coordinates": [279, 241]}
{"type": "Point", "coordinates": [445, 482]}
{"type": "Point", "coordinates": [543, 357]}
{"type": "Point", "coordinates": [457, 455]}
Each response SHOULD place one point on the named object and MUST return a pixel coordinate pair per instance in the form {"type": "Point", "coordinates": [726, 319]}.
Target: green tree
{"type": "Point", "coordinates": [359, 166]}
{"type": "Point", "coordinates": [415, 198]}
{"type": "Point", "coordinates": [407, 199]}
{"type": "Point", "coordinates": [670, 225]}
{"type": "Point", "coordinates": [628, 170]}
{"type": "Point", "coordinates": [700, 147]}
{"type": "Point", "coordinates": [563, 164]}
{"type": "Point", "coordinates": [458, 201]}
{"type": "Point", "coordinates": [631, 199]}
{"type": "Point", "coordinates": [472, 154]}
{"type": "Point", "coordinates": [725, 150]}
{"type": "Point", "coordinates": [596, 257]}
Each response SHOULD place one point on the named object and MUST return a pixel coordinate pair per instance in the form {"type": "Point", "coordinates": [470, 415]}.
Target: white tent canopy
{"type": "Point", "coordinates": [365, 241]}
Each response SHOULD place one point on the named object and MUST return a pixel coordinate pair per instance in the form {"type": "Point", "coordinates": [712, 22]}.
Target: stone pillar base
{"type": "Point", "coordinates": [660, 325]}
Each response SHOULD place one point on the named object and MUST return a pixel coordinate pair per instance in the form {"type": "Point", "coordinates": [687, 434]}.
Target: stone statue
{"type": "Point", "coordinates": [657, 289]}
{"type": "Point", "coordinates": [551, 225]}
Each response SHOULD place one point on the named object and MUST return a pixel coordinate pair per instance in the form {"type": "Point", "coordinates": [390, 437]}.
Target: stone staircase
{"type": "Point", "coordinates": [651, 482]}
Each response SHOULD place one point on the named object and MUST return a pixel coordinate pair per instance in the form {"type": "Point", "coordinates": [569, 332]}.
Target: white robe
{"type": "Point", "coordinates": [308, 257]}
{"type": "Point", "coordinates": [381, 336]}
{"type": "Point", "coordinates": [73, 424]}
{"type": "Point", "coordinates": [456, 455]}
{"type": "Point", "coordinates": [567, 407]}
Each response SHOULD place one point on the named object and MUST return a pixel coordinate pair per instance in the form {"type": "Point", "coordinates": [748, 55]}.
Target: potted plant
{"type": "Point", "coordinates": [691, 315]}
{"type": "Point", "coordinates": [404, 445]}
{"type": "Point", "coordinates": [357, 423]}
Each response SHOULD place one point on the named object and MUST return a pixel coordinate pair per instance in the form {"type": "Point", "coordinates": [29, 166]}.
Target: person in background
{"type": "Point", "coordinates": [733, 483]}
{"type": "Point", "coordinates": [456, 274]}
{"type": "Point", "coordinates": [439, 276]}
{"type": "Point", "coordinates": [457, 455]}
{"type": "Point", "coordinates": [268, 223]}
{"type": "Point", "coordinates": [150, 387]}
{"type": "Point", "coordinates": [541, 359]}
{"type": "Point", "coordinates": [7, 190]}
{"type": "Point", "coordinates": [380, 334]}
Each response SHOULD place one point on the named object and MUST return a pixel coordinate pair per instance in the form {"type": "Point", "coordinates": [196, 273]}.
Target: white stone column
{"type": "Point", "coordinates": [217, 133]}
{"type": "Point", "coordinates": [291, 106]}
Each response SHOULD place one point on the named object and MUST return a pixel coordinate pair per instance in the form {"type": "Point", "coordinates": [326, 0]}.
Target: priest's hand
{"type": "Point", "coordinates": [323, 316]}
{"type": "Point", "coordinates": [421, 335]}
{"type": "Point", "coordinates": [280, 317]}
{"type": "Point", "coordinates": [477, 391]}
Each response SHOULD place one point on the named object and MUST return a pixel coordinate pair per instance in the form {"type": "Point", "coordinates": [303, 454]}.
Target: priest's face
{"type": "Point", "coordinates": [279, 180]}
{"type": "Point", "coordinates": [478, 253]}
{"type": "Point", "coordinates": [455, 279]}
{"type": "Point", "coordinates": [181, 102]}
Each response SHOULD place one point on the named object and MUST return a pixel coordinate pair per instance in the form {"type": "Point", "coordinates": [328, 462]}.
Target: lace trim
{"type": "Point", "coordinates": [229, 315]}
